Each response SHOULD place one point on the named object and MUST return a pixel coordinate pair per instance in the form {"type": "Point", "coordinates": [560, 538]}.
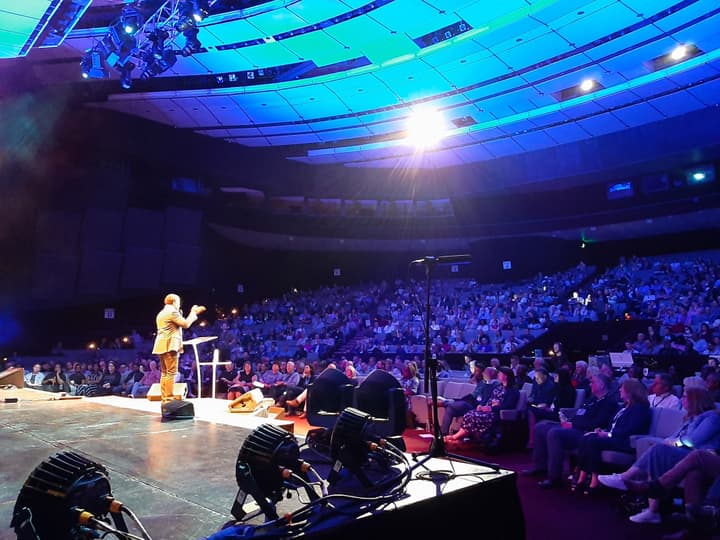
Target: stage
{"type": "Point", "coordinates": [178, 476]}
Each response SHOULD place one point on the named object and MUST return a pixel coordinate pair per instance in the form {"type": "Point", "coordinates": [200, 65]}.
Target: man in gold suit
{"type": "Point", "coordinates": [168, 342]}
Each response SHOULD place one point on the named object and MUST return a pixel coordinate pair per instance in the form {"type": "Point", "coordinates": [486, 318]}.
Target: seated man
{"type": "Point", "coordinates": [662, 395]}
{"type": "Point", "coordinates": [552, 439]}
{"type": "Point", "coordinates": [35, 378]}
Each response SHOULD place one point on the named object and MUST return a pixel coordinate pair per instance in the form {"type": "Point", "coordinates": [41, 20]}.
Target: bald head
{"type": "Point", "coordinates": [172, 299]}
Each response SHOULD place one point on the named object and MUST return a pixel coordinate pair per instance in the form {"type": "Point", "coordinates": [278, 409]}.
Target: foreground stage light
{"type": "Point", "coordinates": [49, 500]}
{"type": "Point", "coordinates": [267, 459]}
{"type": "Point", "coordinates": [352, 443]}
{"type": "Point", "coordinates": [425, 128]}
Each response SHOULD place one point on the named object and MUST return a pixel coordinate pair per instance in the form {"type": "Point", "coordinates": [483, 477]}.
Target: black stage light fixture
{"type": "Point", "coordinates": [55, 495]}
{"type": "Point", "coordinates": [267, 458]}
{"type": "Point", "coordinates": [91, 65]}
{"type": "Point", "coordinates": [351, 443]}
{"type": "Point", "coordinates": [192, 43]}
{"type": "Point", "coordinates": [126, 75]}
{"type": "Point", "coordinates": [131, 20]}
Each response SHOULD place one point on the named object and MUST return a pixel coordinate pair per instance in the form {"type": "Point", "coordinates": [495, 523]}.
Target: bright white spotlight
{"type": "Point", "coordinates": [425, 128]}
{"type": "Point", "coordinates": [587, 85]}
{"type": "Point", "coordinates": [698, 176]}
{"type": "Point", "coordinates": [679, 52]}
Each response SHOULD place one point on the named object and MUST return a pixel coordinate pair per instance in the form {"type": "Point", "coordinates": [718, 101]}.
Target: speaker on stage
{"type": "Point", "coordinates": [178, 410]}
{"type": "Point", "coordinates": [180, 391]}
{"type": "Point", "coordinates": [13, 376]}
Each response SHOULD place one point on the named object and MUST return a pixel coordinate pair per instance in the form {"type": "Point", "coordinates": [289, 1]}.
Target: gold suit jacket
{"type": "Point", "coordinates": [170, 323]}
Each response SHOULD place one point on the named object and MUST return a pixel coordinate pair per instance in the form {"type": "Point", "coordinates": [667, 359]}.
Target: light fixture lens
{"type": "Point", "coordinates": [698, 176]}
{"type": "Point", "coordinates": [587, 85]}
{"type": "Point", "coordinates": [425, 128]}
{"type": "Point", "coordinates": [679, 52]}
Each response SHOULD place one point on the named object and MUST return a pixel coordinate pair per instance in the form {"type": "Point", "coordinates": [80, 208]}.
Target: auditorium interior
{"type": "Point", "coordinates": [452, 258]}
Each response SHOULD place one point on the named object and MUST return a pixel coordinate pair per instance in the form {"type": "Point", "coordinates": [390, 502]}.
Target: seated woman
{"type": "Point", "coordinates": [701, 431]}
{"type": "Point", "coordinates": [292, 392]}
{"type": "Point", "coordinates": [242, 382]}
{"type": "Point", "coordinates": [485, 416]}
{"type": "Point", "coordinates": [633, 419]}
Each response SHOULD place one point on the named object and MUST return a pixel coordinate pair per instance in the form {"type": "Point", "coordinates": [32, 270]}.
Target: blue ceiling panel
{"type": "Point", "coordinates": [289, 139]}
{"type": "Point", "coordinates": [705, 33]}
{"type": "Point", "coordinates": [465, 74]}
{"type": "Point", "coordinates": [639, 114]}
{"type": "Point", "coordinates": [496, 36]}
{"type": "Point", "coordinates": [549, 119]}
{"type": "Point", "coordinates": [601, 124]}
{"type": "Point", "coordinates": [693, 11]}
{"type": "Point", "coordinates": [364, 98]}
{"type": "Point", "coordinates": [248, 132]}
{"type": "Point", "coordinates": [413, 18]}
{"type": "Point", "coordinates": [488, 133]}
{"type": "Point", "coordinates": [595, 23]}
{"type": "Point", "coordinates": [480, 13]}
{"type": "Point", "coordinates": [195, 108]}
{"type": "Point", "coordinates": [546, 46]}
{"type": "Point", "coordinates": [321, 48]}
{"type": "Point", "coordinates": [567, 133]}
{"type": "Point", "coordinates": [470, 154]}
{"type": "Point", "coordinates": [270, 131]}
{"type": "Point", "coordinates": [231, 32]}
{"type": "Point", "coordinates": [656, 87]}
{"type": "Point", "coordinates": [341, 134]}
{"type": "Point", "coordinates": [253, 142]}
{"type": "Point", "coordinates": [536, 140]}
{"type": "Point", "coordinates": [708, 93]}
{"type": "Point", "coordinates": [584, 109]}
{"type": "Point", "coordinates": [314, 101]}
{"type": "Point", "coordinates": [699, 73]}
{"type": "Point", "coordinates": [503, 147]}
{"type": "Point", "coordinates": [276, 21]}
{"type": "Point", "coordinates": [416, 86]}
{"type": "Point", "coordinates": [677, 104]}
{"type": "Point", "coordinates": [269, 55]}
{"type": "Point", "coordinates": [315, 11]}
{"type": "Point", "coordinates": [616, 100]}
{"type": "Point", "coordinates": [559, 11]}
{"type": "Point", "coordinates": [624, 42]}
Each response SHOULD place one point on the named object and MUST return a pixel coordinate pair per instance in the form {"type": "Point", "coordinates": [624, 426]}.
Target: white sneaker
{"type": "Point", "coordinates": [646, 516]}
{"type": "Point", "coordinates": [614, 481]}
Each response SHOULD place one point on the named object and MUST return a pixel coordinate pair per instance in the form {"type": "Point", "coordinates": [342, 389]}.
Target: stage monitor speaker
{"type": "Point", "coordinates": [178, 410]}
{"type": "Point", "coordinates": [13, 376]}
{"type": "Point", "coordinates": [179, 391]}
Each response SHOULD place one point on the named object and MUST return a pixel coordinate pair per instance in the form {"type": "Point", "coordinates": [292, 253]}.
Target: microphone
{"type": "Point", "coordinates": [464, 258]}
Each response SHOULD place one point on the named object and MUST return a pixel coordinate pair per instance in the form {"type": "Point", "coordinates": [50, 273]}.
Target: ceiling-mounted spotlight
{"type": "Point", "coordinates": [425, 128]}
{"type": "Point", "coordinates": [92, 66]}
{"type": "Point", "coordinates": [679, 52]}
{"type": "Point", "coordinates": [126, 75]}
{"type": "Point", "coordinates": [131, 20]}
{"type": "Point", "coordinates": [587, 84]}
{"type": "Point", "coordinates": [200, 9]}
{"type": "Point", "coordinates": [192, 43]}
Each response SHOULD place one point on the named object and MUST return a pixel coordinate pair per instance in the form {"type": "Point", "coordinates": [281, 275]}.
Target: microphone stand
{"type": "Point", "coordinates": [437, 446]}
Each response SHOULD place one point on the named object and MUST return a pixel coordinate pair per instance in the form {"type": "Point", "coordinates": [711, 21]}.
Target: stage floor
{"type": "Point", "coordinates": [178, 477]}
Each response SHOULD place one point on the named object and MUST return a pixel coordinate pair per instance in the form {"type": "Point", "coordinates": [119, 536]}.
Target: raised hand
{"type": "Point", "coordinates": [197, 310]}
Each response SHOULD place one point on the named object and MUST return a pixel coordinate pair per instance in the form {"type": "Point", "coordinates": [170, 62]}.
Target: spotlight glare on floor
{"type": "Point", "coordinates": [425, 128]}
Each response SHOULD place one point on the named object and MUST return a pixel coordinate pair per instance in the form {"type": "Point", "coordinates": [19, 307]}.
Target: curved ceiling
{"type": "Point", "coordinates": [335, 82]}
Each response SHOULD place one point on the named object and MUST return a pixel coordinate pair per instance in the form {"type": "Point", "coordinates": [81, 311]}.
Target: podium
{"type": "Point", "coordinates": [215, 361]}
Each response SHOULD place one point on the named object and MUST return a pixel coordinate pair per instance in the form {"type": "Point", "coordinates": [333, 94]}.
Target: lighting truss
{"type": "Point", "coordinates": [149, 48]}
